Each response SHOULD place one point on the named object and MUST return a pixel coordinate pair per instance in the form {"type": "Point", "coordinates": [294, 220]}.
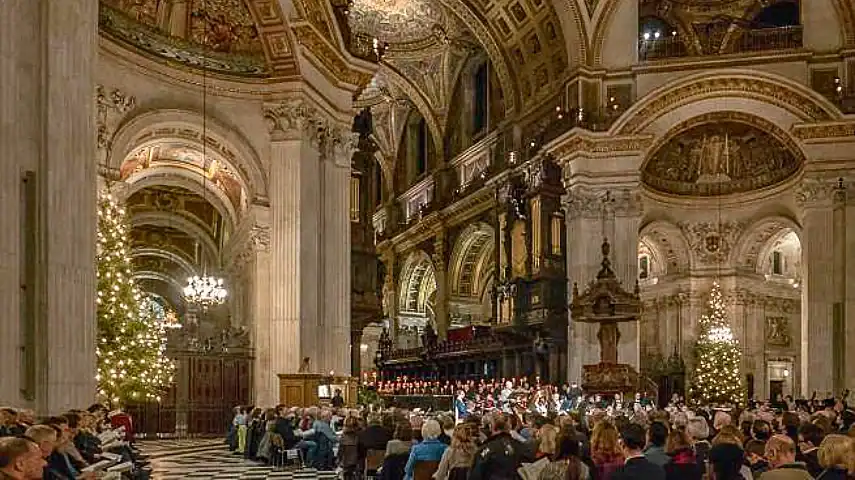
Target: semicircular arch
{"type": "Point", "coordinates": [417, 283]}
{"type": "Point", "coordinates": [751, 246]}
{"type": "Point", "coordinates": [187, 126]}
{"type": "Point", "coordinates": [762, 94]}
{"type": "Point", "coordinates": [466, 266]}
{"type": "Point", "coordinates": [181, 223]}
{"type": "Point", "coordinates": [669, 243]}
{"type": "Point", "coordinates": [189, 178]}
{"type": "Point", "coordinates": [188, 268]}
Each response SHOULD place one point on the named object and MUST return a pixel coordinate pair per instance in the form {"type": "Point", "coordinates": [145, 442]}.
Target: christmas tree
{"type": "Point", "coordinates": [716, 379]}
{"type": "Point", "coordinates": [131, 339]}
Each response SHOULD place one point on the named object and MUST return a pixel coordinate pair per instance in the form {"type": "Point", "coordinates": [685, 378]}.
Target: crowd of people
{"type": "Point", "coordinates": [602, 438]}
{"type": "Point", "coordinates": [79, 444]}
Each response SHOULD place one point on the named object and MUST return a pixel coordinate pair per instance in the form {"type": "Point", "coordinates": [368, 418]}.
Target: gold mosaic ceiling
{"type": "Point", "coordinates": [396, 21]}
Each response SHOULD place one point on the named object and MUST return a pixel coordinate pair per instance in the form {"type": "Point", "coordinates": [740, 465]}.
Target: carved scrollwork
{"type": "Point", "coordinates": [296, 119]}
{"type": "Point", "coordinates": [260, 237]}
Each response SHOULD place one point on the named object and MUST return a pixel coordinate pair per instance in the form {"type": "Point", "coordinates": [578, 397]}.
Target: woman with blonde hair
{"type": "Point", "coordinates": [457, 459]}
{"type": "Point", "coordinates": [837, 456]}
{"type": "Point", "coordinates": [605, 451]}
{"type": "Point", "coordinates": [547, 440]}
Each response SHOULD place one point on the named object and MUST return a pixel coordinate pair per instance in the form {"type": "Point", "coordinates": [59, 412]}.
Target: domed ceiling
{"type": "Point", "coordinates": [237, 37]}
{"type": "Point", "coordinates": [396, 21]}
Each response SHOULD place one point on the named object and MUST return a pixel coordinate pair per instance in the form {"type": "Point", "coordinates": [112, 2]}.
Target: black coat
{"type": "Point", "coordinates": [833, 474]}
{"type": "Point", "coordinates": [811, 461]}
{"type": "Point", "coordinates": [499, 458]}
{"type": "Point", "coordinates": [375, 437]}
{"type": "Point", "coordinates": [285, 429]}
{"type": "Point", "coordinates": [639, 468]}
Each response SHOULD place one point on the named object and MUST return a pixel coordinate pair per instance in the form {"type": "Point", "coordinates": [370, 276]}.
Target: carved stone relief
{"type": "Point", "coordinates": [711, 242]}
{"type": "Point", "coordinates": [110, 108]}
{"type": "Point", "coordinates": [297, 119]}
{"type": "Point", "coordinates": [778, 331]}
{"type": "Point", "coordinates": [720, 158]}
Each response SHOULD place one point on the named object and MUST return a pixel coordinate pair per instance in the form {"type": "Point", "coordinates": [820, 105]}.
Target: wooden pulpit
{"type": "Point", "coordinates": [314, 389]}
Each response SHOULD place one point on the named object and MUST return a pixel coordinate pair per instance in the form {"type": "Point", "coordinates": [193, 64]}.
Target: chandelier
{"type": "Point", "coordinates": [205, 291]}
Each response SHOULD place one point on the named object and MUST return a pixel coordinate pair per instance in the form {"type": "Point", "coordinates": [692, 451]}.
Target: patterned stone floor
{"type": "Point", "coordinates": [211, 460]}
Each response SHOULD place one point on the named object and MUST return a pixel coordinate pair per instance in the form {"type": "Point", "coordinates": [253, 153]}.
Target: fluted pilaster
{"type": "Point", "coordinates": [47, 55]}
{"type": "Point", "coordinates": [816, 200]}
{"type": "Point", "coordinates": [334, 339]}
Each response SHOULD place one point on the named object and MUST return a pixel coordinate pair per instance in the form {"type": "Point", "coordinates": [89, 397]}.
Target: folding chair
{"type": "Point", "coordinates": [373, 462]}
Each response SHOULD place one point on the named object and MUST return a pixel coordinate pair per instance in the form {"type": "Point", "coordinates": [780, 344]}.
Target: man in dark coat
{"type": "Point", "coordinates": [636, 466]}
{"type": "Point", "coordinates": [501, 456]}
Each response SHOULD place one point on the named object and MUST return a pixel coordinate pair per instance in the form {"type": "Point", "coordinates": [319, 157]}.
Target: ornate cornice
{"type": "Point", "coordinates": [816, 192]}
{"type": "Point", "coordinates": [588, 202]}
{"type": "Point", "coordinates": [577, 142]}
{"type": "Point", "coordinates": [832, 131]}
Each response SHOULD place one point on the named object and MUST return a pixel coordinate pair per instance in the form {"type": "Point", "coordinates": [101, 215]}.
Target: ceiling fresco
{"type": "Point", "coordinates": [218, 173]}
{"type": "Point", "coordinates": [237, 37]}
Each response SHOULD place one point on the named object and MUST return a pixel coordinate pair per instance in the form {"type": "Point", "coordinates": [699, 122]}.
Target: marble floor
{"type": "Point", "coordinates": [205, 459]}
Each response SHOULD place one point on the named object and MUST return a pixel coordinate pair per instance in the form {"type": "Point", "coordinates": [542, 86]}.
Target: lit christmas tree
{"type": "Point", "coordinates": [716, 379]}
{"type": "Point", "coordinates": [132, 365]}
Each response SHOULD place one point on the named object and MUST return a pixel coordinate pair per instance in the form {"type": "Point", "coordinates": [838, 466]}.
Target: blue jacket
{"type": "Point", "coordinates": [427, 451]}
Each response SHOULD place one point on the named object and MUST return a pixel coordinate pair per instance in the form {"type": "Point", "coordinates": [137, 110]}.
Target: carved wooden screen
{"type": "Point", "coordinates": [217, 385]}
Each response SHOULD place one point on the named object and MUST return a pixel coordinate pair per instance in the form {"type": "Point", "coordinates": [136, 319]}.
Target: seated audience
{"type": "Point", "coordinates": [837, 458]}
{"type": "Point", "coordinates": [781, 455]}
{"type": "Point", "coordinates": [430, 449]}
{"type": "Point", "coordinates": [682, 463]}
{"type": "Point", "coordinates": [632, 438]}
{"type": "Point", "coordinates": [457, 459]}
{"type": "Point", "coordinates": [20, 459]}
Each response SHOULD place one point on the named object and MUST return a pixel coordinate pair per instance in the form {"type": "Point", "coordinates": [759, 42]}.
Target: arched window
{"type": "Point", "coordinates": [480, 91]}
{"type": "Point", "coordinates": [643, 266]}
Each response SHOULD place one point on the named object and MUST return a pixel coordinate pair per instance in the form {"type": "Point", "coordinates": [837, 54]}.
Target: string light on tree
{"type": "Point", "coordinates": [132, 365]}
{"type": "Point", "coordinates": [716, 379]}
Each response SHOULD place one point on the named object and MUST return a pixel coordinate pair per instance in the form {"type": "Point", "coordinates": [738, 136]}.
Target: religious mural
{"type": "Point", "coordinates": [718, 159]}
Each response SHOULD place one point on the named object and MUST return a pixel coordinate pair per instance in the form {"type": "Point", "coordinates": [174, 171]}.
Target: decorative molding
{"type": "Point", "coordinates": [711, 242]}
{"type": "Point", "coordinates": [594, 203]}
{"type": "Point", "coordinates": [832, 131]}
{"type": "Point", "coordinates": [816, 193]}
{"type": "Point", "coordinates": [328, 58]}
{"type": "Point", "coordinates": [779, 92]}
{"type": "Point", "coordinates": [578, 142]}
{"type": "Point", "coordinates": [297, 119]}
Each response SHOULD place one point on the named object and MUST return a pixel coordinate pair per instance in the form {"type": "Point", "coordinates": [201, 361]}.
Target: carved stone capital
{"type": "Point", "coordinates": [295, 119]}
{"type": "Point", "coordinates": [816, 193]}
{"type": "Point", "coordinates": [583, 203]}
{"type": "Point", "coordinates": [625, 202]}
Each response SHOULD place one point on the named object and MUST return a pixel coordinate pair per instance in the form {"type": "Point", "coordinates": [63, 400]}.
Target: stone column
{"type": "Point", "coordinates": [816, 199]}
{"type": "Point", "coordinates": [585, 230]}
{"type": "Point", "coordinates": [48, 52]}
{"type": "Point", "coordinates": [334, 334]}
{"type": "Point", "coordinates": [440, 271]}
{"type": "Point", "coordinates": [592, 214]}
{"type": "Point", "coordinates": [356, 353]}
{"type": "Point", "coordinates": [625, 207]}
{"type": "Point", "coordinates": [295, 223]}
{"type": "Point", "coordinates": [257, 271]}
{"type": "Point", "coordinates": [178, 19]}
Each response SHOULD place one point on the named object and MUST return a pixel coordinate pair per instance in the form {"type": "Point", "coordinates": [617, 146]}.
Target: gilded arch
{"type": "Point", "coordinates": [797, 100]}
{"type": "Point", "coordinates": [418, 283]}
{"type": "Point", "coordinates": [471, 261]}
{"type": "Point", "coordinates": [755, 241]}
{"type": "Point", "coordinates": [669, 244]}
{"type": "Point", "coordinates": [186, 126]}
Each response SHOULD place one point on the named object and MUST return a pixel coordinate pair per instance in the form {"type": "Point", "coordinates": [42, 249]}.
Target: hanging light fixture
{"type": "Point", "coordinates": [206, 290]}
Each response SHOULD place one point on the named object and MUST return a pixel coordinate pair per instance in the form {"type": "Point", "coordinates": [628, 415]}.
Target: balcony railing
{"type": "Point", "coordinates": [749, 40]}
